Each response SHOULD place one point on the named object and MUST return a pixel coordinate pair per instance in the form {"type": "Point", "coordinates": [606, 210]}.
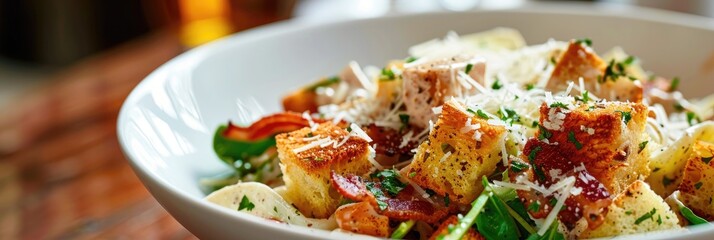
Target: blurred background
{"type": "Point", "coordinates": [67, 65]}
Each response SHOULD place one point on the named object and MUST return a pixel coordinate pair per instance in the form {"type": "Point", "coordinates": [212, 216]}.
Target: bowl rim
{"type": "Point", "coordinates": [156, 77]}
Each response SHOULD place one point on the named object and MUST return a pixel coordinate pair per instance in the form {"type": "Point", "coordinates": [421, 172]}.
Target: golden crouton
{"type": "Point", "coordinates": [430, 84]}
{"type": "Point", "coordinates": [668, 163]}
{"type": "Point", "coordinates": [697, 187]}
{"type": "Point", "coordinates": [457, 154]}
{"type": "Point", "coordinates": [443, 230]}
{"type": "Point", "coordinates": [608, 80]}
{"type": "Point", "coordinates": [307, 173]}
{"type": "Point", "coordinates": [637, 210]}
{"type": "Point", "coordinates": [604, 136]}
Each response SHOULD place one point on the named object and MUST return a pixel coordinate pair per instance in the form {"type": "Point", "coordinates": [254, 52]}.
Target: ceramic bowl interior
{"type": "Point", "coordinates": [165, 126]}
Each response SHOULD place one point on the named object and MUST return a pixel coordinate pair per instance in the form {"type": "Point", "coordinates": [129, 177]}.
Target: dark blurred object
{"type": "Point", "coordinates": [59, 32]}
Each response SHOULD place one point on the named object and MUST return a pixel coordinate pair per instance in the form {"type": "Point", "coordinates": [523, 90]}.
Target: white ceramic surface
{"type": "Point", "coordinates": [165, 126]}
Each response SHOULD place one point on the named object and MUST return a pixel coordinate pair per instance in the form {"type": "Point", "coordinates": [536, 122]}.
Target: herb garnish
{"type": "Point", "coordinates": [530, 86]}
{"type": "Point", "coordinates": [707, 159]}
{"type": "Point", "coordinates": [468, 68]}
{"type": "Point", "coordinates": [559, 105]}
{"type": "Point", "coordinates": [626, 116]}
{"type": "Point", "coordinates": [517, 166]}
{"type": "Point", "coordinates": [585, 97]}
{"type": "Point", "coordinates": [534, 207]}
{"type": "Point", "coordinates": [410, 59]}
{"type": "Point", "coordinates": [496, 84]}
{"type": "Point", "coordinates": [666, 181]}
{"type": "Point", "coordinates": [245, 204]}
{"type": "Point", "coordinates": [387, 75]}
{"type": "Point", "coordinates": [481, 114]}
{"type": "Point", "coordinates": [585, 41]}
{"type": "Point", "coordinates": [509, 116]}
{"type": "Point", "coordinates": [531, 159]}
{"type": "Point", "coordinates": [572, 139]}
{"type": "Point", "coordinates": [642, 146]}
{"type": "Point", "coordinates": [543, 133]}
{"type": "Point", "coordinates": [691, 117]}
{"type": "Point", "coordinates": [675, 83]}
{"type": "Point", "coordinates": [698, 185]}
{"type": "Point", "coordinates": [390, 181]}
{"type": "Point", "coordinates": [378, 194]}
{"type": "Point", "coordinates": [648, 215]}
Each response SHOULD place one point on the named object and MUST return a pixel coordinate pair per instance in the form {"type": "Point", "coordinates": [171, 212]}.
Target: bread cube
{"type": "Point", "coordinates": [307, 173]}
{"type": "Point", "coordinates": [636, 210]}
{"type": "Point", "coordinates": [457, 154]}
{"type": "Point", "coordinates": [697, 187]}
{"type": "Point", "coordinates": [430, 84]}
{"type": "Point", "coordinates": [579, 61]}
{"type": "Point", "coordinates": [604, 136]}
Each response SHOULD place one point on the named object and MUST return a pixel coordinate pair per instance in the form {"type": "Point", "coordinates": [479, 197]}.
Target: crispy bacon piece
{"type": "Point", "coordinates": [362, 218]}
{"type": "Point", "coordinates": [268, 126]}
{"type": "Point", "coordinates": [389, 144]}
{"type": "Point", "coordinates": [406, 206]}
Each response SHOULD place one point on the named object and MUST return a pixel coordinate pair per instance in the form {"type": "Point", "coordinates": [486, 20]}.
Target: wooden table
{"type": "Point", "coordinates": [62, 174]}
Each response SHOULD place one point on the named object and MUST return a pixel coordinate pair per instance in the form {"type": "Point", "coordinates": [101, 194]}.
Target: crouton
{"type": "Point", "coordinates": [604, 136]}
{"type": "Point", "coordinates": [668, 163]}
{"type": "Point", "coordinates": [430, 84]}
{"type": "Point", "coordinates": [460, 150]}
{"type": "Point", "coordinates": [608, 80]}
{"type": "Point", "coordinates": [636, 210]}
{"type": "Point", "coordinates": [697, 186]}
{"type": "Point", "coordinates": [307, 173]}
{"type": "Point", "coordinates": [443, 230]}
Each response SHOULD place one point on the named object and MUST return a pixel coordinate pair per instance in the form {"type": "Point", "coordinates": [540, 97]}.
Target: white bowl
{"type": "Point", "coordinates": [166, 125]}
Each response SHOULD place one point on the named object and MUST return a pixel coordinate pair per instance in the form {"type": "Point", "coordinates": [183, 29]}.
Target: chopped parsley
{"type": "Point", "coordinates": [585, 41]}
{"type": "Point", "coordinates": [447, 201]}
{"type": "Point", "coordinates": [390, 181]}
{"type": "Point", "coordinates": [585, 97]}
{"type": "Point", "coordinates": [559, 105]}
{"type": "Point", "coordinates": [481, 114]}
{"type": "Point", "coordinates": [613, 71]}
{"type": "Point", "coordinates": [552, 201]}
{"type": "Point", "coordinates": [643, 145]}
{"type": "Point", "coordinates": [691, 117]}
{"type": "Point", "coordinates": [245, 204]}
{"type": "Point", "coordinates": [675, 83]}
{"type": "Point", "coordinates": [412, 174]}
{"type": "Point", "coordinates": [552, 60]}
{"type": "Point", "coordinates": [628, 212]}
{"type": "Point", "coordinates": [666, 181]}
{"type": "Point", "coordinates": [387, 75]}
{"type": "Point", "coordinates": [410, 59]}
{"type": "Point", "coordinates": [677, 107]}
{"type": "Point", "coordinates": [324, 83]}
{"type": "Point", "coordinates": [659, 219]}
{"type": "Point", "coordinates": [543, 133]}
{"type": "Point", "coordinates": [572, 139]}
{"type": "Point", "coordinates": [530, 86]}
{"type": "Point", "coordinates": [404, 119]}
{"type": "Point", "coordinates": [531, 159]}
{"type": "Point", "coordinates": [309, 134]}
{"type": "Point", "coordinates": [468, 68]}
{"type": "Point", "coordinates": [509, 116]}
{"type": "Point", "coordinates": [648, 215]}
{"type": "Point", "coordinates": [378, 194]}
{"type": "Point", "coordinates": [626, 116]}
{"type": "Point", "coordinates": [534, 207]}
{"type": "Point", "coordinates": [497, 84]}
{"type": "Point", "coordinates": [698, 185]}
{"type": "Point", "coordinates": [275, 209]}
{"type": "Point", "coordinates": [707, 159]}
{"type": "Point", "coordinates": [629, 60]}
{"type": "Point", "coordinates": [517, 166]}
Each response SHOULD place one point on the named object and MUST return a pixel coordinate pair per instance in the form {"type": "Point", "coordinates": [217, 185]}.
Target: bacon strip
{"type": "Point", "coordinates": [268, 126]}
{"type": "Point", "coordinates": [401, 208]}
